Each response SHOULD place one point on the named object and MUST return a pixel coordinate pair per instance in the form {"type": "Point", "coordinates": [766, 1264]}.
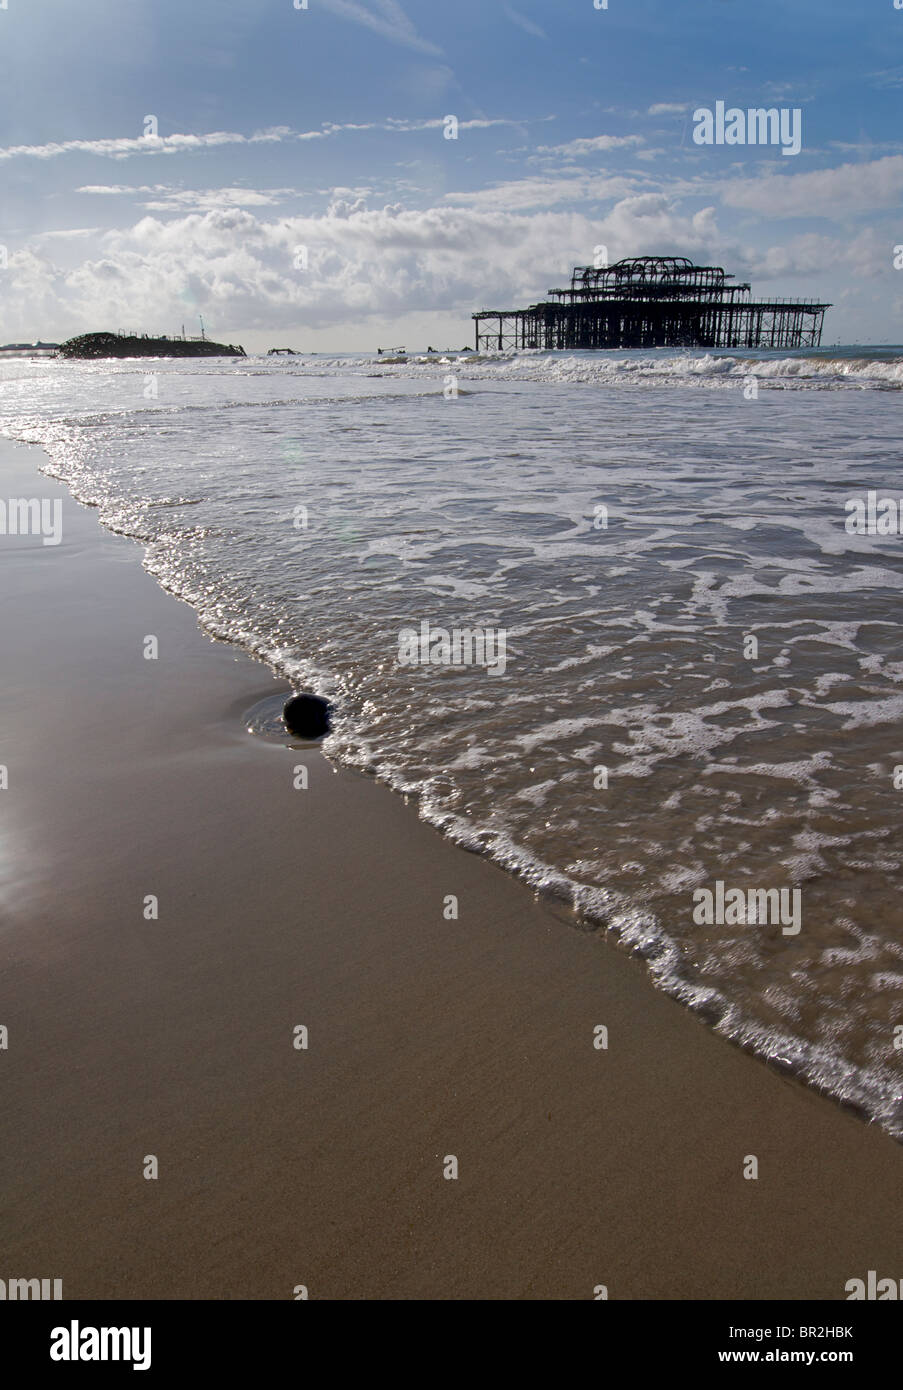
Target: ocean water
{"type": "Point", "coordinates": [708, 688]}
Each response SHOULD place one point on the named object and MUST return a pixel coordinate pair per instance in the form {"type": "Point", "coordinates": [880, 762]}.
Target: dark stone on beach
{"type": "Point", "coordinates": [307, 716]}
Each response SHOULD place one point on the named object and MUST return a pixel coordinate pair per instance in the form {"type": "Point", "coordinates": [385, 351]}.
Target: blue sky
{"type": "Point", "coordinates": [300, 189]}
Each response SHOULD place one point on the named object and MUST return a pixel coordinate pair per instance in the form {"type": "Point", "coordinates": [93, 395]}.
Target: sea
{"type": "Point", "coordinates": [694, 564]}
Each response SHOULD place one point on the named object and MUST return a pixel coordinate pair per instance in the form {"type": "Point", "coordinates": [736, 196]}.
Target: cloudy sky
{"type": "Point", "coordinates": [286, 172]}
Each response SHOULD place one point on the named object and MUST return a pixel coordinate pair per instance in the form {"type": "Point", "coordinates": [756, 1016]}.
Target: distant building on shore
{"type": "Point", "coordinates": [652, 301]}
{"type": "Point", "coordinates": [28, 347]}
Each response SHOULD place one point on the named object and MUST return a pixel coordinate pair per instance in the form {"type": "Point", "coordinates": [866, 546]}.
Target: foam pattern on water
{"type": "Point", "coordinates": [627, 645]}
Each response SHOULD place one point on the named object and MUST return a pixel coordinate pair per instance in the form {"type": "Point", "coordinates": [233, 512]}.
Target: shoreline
{"type": "Point", "coordinates": [868, 1093]}
{"type": "Point", "coordinates": [427, 1037]}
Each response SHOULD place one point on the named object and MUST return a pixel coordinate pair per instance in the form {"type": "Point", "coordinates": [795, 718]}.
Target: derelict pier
{"type": "Point", "coordinates": [652, 301]}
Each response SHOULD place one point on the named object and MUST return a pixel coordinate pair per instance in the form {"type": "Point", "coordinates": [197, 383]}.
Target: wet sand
{"type": "Point", "coordinates": [427, 1037]}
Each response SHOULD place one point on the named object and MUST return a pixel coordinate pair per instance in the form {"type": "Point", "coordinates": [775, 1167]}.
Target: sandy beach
{"type": "Point", "coordinates": [428, 1037]}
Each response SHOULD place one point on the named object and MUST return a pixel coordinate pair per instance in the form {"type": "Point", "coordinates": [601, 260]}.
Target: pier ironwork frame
{"type": "Point", "coordinates": [652, 301]}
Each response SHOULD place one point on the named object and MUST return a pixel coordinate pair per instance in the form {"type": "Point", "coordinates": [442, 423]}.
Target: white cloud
{"type": "Point", "coordinates": [123, 188]}
{"type": "Point", "coordinates": [867, 255]}
{"type": "Point", "coordinates": [886, 77]}
{"type": "Point", "coordinates": [388, 20]}
{"type": "Point", "coordinates": [667, 108]}
{"type": "Point", "coordinates": [165, 198]}
{"type": "Point", "coordinates": [208, 199]}
{"type": "Point", "coordinates": [834, 193]}
{"type": "Point", "coordinates": [592, 144]}
{"type": "Point", "coordinates": [239, 270]}
{"type": "Point", "coordinates": [529, 26]}
{"type": "Point", "coordinates": [521, 194]}
{"type": "Point", "coordinates": [123, 147]}
{"type": "Point", "coordinates": [68, 232]}
{"type": "Point", "coordinates": [651, 223]}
